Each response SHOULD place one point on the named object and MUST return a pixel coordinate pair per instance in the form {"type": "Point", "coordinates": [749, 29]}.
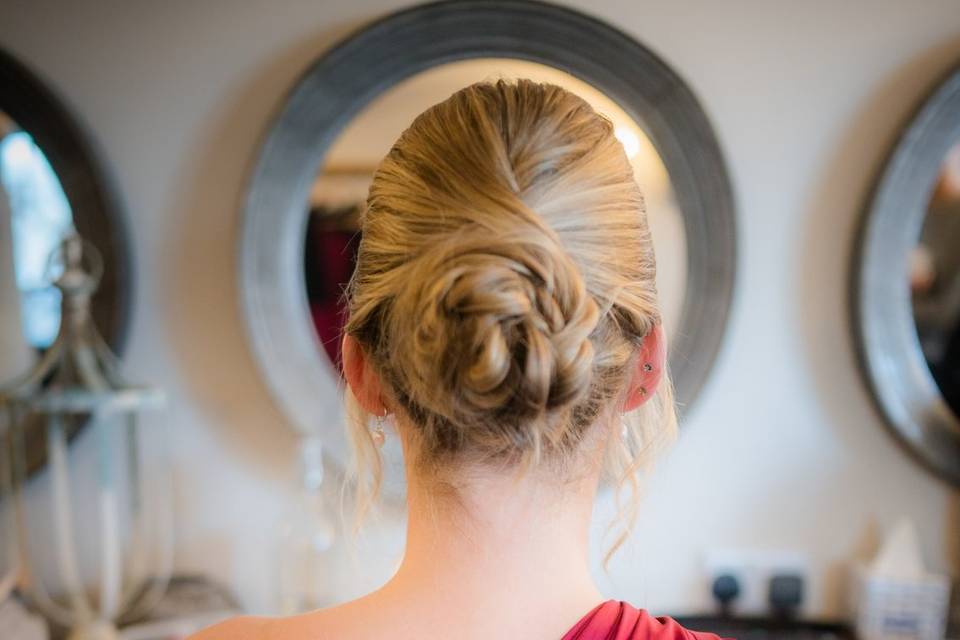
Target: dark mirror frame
{"type": "Point", "coordinates": [349, 76]}
{"type": "Point", "coordinates": [96, 215]}
{"type": "Point", "coordinates": [889, 351]}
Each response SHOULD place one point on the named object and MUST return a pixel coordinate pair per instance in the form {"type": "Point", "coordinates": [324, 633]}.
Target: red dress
{"type": "Point", "coordinates": [615, 620]}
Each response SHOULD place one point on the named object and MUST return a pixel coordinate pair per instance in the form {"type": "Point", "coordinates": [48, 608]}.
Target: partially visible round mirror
{"type": "Point", "coordinates": [50, 183]}
{"type": "Point", "coordinates": [906, 300]}
{"type": "Point", "coordinates": [310, 182]}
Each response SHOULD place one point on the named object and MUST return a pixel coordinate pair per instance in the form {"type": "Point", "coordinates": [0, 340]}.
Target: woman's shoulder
{"type": "Point", "coordinates": [610, 619]}
{"type": "Point", "coordinates": [315, 625]}
{"type": "Point", "coordinates": [238, 628]}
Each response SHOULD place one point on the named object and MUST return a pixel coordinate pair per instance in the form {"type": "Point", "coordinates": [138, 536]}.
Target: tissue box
{"type": "Point", "coordinates": [888, 608]}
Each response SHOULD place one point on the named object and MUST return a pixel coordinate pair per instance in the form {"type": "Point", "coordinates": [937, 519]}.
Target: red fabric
{"type": "Point", "coordinates": [332, 254]}
{"type": "Point", "coordinates": [615, 620]}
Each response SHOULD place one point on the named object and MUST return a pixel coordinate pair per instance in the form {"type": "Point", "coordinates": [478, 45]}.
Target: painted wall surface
{"type": "Point", "coordinates": [783, 449]}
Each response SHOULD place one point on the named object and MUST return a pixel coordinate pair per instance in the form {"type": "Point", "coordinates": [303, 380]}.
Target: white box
{"type": "Point", "coordinates": [887, 608]}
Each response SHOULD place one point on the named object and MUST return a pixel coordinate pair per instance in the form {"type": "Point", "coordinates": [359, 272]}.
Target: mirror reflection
{"type": "Point", "coordinates": [338, 194]}
{"type": "Point", "coordinates": [34, 217]}
{"type": "Point", "coordinates": [935, 281]}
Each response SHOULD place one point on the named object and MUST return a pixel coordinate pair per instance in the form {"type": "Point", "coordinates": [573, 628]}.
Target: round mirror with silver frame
{"type": "Point", "coordinates": [411, 53]}
{"type": "Point", "coordinates": [906, 285]}
{"type": "Point", "coordinates": [50, 181]}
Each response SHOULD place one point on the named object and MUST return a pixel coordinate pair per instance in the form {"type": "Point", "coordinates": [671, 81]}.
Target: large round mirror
{"type": "Point", "coordinates": [338, 194]}
{"type": "Point", "coordinates": [50, 183]}
{"type": "Point", "coordinates": [300, 228]}
{"type": "Point", "coordinates": [907, 279]}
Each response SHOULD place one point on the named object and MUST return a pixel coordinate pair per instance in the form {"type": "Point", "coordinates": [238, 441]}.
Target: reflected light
{"type": "Point", "coordinates": [40, 216]}
{"type": "Point", "coordinates": [18, 152]}
{"type": "Point", "coordinates": [629, 140]}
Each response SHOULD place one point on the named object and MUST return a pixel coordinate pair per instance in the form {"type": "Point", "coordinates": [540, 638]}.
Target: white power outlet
{"type": "Point", "coordinates": [753, 569]}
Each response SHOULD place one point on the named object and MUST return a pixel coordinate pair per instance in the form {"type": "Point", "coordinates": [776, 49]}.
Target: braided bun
{"type": "Point", "coordinates": [503, 323]}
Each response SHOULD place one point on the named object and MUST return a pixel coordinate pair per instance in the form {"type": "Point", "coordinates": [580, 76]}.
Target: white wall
{"type": "Point", "coordinates": [783, 449]}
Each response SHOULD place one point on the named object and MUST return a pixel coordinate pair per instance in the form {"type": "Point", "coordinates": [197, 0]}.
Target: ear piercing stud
{"type": "Point", "coordinates": [647, 367]}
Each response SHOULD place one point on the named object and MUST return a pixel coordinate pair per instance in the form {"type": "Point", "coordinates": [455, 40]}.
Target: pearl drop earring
{"type": "Point", "coordinates": [377, 433]}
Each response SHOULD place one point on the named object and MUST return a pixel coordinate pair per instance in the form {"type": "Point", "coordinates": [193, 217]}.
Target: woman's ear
{"type": "Point", "coordinates": [648, 370]}
{"type": "Point", "coordinates": [362, 379]}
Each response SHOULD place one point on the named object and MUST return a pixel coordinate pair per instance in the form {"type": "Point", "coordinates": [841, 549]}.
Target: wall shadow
{"type": "Point", "coordinates": [203, 311]}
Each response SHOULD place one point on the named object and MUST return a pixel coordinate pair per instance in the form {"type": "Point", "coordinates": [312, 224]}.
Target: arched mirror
{"type": "Point", "coordinates": [300, 228]}
{"type": "Point", "coordinates": [907, 285]}
{"type": "Point", "coordinates": [50, 183]}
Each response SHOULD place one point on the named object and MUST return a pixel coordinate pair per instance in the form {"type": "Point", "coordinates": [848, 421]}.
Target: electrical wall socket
{"type": "Point", "coordinates": [753, 569]}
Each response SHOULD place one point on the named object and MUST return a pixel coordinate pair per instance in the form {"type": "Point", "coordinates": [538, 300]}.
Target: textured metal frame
{"type": "Point", "coordinates": [886, 336]}
{"type": "Point", "coordinates": [350, 75]}
{"type": "Point", "coordinates": [96, 214]}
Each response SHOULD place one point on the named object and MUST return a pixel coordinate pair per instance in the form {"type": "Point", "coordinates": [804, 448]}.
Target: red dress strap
{"type": "Point", "coordinates": [615, 620]}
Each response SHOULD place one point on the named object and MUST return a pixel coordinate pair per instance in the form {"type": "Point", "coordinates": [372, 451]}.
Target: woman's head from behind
{"type": "Point", "coordinates": [503, 305]}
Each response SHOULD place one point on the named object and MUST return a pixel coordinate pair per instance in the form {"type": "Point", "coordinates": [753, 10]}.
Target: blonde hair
{"type": "Point", "coordinates": [504, 284]}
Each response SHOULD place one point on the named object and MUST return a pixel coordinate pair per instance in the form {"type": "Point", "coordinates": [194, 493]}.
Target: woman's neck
{"type": "Point", "coordinates": [501, 543]}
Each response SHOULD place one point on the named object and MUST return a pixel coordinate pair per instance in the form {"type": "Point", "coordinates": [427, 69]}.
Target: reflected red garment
{"type": "Point", "coordinates": [614, 620]}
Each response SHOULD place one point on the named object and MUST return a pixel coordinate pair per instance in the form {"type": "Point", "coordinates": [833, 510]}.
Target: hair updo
{"type": "Point", "coordinates": [505, 277]}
